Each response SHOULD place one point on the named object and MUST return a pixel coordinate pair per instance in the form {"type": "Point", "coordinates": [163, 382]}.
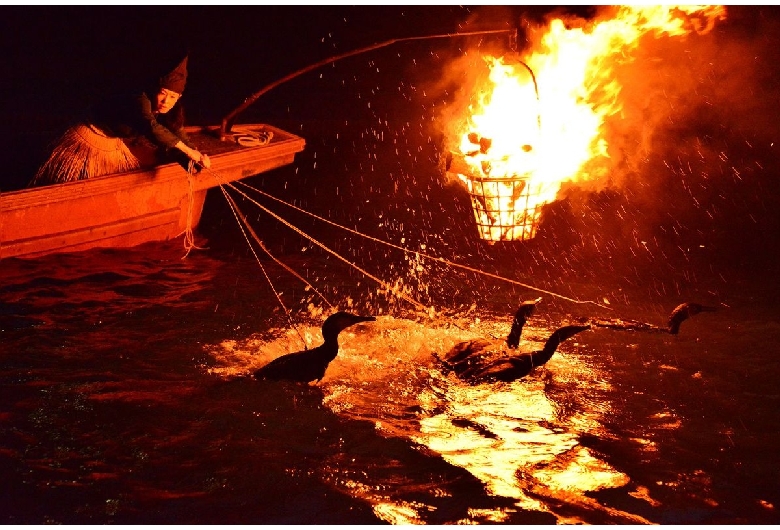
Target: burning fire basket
{"type": "Point", "coordinates": [505, 208]}
{"type": "Point", "coordinates": [506, 196]}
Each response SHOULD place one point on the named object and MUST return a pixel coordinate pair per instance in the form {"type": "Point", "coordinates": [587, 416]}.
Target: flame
{"type": "Point", "coordinates": [537, 120]}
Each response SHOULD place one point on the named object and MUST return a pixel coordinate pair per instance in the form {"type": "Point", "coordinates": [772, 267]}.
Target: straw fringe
{"type": "Point", "coordinates": [85, 151]}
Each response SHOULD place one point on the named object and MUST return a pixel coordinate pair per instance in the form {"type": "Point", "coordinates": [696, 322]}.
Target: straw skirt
{"type": "Point", "coordinates": [85, 151]}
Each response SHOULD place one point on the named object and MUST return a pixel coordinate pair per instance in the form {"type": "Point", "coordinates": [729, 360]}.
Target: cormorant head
{"type": "Point", "coordinates": [683, 312]}
{"type": "Point", "coordinates": [527, 308]}
{"type": "Point", "coordinates": [337, 322]}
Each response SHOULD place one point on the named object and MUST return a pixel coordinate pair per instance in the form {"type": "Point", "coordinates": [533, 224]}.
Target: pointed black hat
{"type": "Point", "coordinates": [176, 80]}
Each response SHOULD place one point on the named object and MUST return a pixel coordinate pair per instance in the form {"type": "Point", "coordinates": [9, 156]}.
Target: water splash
{"type": "Point", "coordinates": [521, 440]}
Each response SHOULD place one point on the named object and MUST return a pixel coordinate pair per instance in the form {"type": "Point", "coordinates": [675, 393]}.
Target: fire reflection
{"type": "Point", "coordinates": [515, 444]}
{"type": "Point", "coordinates": [520, 440]}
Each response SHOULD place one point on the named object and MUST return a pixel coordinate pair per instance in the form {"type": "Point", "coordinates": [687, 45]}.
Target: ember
{"type": "Point", "coordinates": [535, 120]}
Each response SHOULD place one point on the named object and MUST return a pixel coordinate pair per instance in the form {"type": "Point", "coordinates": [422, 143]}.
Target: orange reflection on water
{"type": "Point", "coordinates": [521, 440]}
{"type": "Point", "coordinates": [506, 435]}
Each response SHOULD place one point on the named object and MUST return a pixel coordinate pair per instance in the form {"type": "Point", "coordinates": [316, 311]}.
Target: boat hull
{"type": "Point", "coordinates": [132, 208]}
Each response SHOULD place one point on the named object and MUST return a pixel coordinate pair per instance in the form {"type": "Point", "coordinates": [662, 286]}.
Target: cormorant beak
{"type": "Point", "coordinates": [531, 302]}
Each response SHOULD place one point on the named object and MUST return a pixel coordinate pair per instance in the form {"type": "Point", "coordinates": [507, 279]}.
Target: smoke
{"type": "Point", "coordinates": [696, 91]}
{"type": "Point", "coordinates": [692, 155]}
{"type": "Point", "coordinates": [691, 158]}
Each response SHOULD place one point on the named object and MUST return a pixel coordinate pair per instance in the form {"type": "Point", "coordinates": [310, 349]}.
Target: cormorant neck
{"type": "Point", "coordinates": [331, 339]}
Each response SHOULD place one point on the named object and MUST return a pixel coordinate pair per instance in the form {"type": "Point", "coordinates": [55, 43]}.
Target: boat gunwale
{"type": "Point", "coordinates": [282, 144]}
{"type": "Point", "coordinates": [36, 216]}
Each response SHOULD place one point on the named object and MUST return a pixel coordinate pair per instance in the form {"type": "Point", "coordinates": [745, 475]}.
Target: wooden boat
{"type": "Point", "coordinates": [127, 209]}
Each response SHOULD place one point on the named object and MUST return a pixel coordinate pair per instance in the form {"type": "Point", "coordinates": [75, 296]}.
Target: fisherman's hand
{"type": "Point", "coordinates": [201, 159]}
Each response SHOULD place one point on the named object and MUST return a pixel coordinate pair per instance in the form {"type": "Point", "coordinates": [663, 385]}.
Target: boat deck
{"type": "Point", "coordinates": [241, 137]}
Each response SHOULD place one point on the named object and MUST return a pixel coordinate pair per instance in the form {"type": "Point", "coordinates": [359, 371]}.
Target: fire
{"type": "Point", "coordinates": [537, 119]}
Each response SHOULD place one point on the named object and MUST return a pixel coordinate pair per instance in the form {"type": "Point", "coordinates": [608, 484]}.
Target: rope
{"type": "Point", "coordinates": [189, 236]}
{"type": "Point", "coordinates": [381, 282]}
{"type": "Point", "coordinates": [268, 252]}
{"type": "Point", "coordinates": [415, 303]}
{"type": "Point", "coordinates": [234, 209]}
{"type": "Point", "coordinates": [240, 217]}
{"type": "Point", "coordinates": [427, 256]}
{"type": "Point", "coordinates": [402, 296]}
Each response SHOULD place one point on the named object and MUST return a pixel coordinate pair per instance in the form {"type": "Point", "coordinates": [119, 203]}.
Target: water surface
{"type": "Point", "coordinates": [125, 401]}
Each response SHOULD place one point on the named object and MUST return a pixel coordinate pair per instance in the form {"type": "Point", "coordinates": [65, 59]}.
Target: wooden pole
{"type": "Point", "coordinates": [227, 121]}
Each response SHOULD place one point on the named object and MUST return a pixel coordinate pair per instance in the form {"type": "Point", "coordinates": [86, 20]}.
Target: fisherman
{"type": "Point", "coordinates": [126, 132]}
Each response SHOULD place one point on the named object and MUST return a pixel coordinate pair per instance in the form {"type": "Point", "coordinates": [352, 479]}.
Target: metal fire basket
{"type": "Point", "coordinates": [505, 208]}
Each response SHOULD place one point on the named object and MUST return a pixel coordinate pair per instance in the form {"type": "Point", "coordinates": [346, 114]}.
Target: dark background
{"type": "Point", "coordinates": [697, 195]}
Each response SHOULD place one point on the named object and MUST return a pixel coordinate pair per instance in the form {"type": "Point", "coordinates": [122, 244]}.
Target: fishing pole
{"type": "Point", "coordinates": [227, 121]}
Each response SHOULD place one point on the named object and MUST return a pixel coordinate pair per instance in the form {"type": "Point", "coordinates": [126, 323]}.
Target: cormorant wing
{"type": "Point", "coordinates": [506, 369]}
{"type": "Point", "coordinates": [296, 366]}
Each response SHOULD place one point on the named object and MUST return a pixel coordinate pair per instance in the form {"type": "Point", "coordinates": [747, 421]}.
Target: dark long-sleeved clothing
{"type": "Point", "coordinates": [119, 134]}
{"type": "Point", "coordinates": [130, 116]}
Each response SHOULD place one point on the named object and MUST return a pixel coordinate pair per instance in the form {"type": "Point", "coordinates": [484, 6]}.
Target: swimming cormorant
{"type": "Point", "coordinates": [514, 366]}
{"type": "Point", "coordinates": [474, 351]}
{"type": "Point", "coordinates": [683, 312]}
{"type": "Point", "coordinates": [310, 365]}
{"type": "Point", "coordinates": [679, 314]}
{"type": "Point", "coordinates": [481, 360]}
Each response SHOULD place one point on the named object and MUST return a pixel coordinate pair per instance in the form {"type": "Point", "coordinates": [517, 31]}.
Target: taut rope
{"type": "Point", "coordinates": [381, 282]}
{"type": "Point", "coordinates": [268, 252]}
{"type": "Point", "coordinates": [234, 209]}
{"type": "Point", "coordinates": [244, 226]}
{"type": "Point", "coordinates": [422, 254]}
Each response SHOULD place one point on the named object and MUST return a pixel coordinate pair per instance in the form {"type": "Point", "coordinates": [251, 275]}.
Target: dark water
{"type": "Point", "coordinates": [122, 403]}
{"type": "Point", "coordinates": [121, 371]}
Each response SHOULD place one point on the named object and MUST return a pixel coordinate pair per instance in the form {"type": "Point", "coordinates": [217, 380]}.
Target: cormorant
{"type": "Point", "coordinates": [310, 365]}
{"type": "Point", "coordinates": [683, 312]}
{"type": "Point", "coordinates": [465, 353]}
{"type": "Point", "coordinates": [679, 314]}
{"type": "Point", "coordinates": [515, 366]}
{"type": "Point", "coordinates": [481, 360]}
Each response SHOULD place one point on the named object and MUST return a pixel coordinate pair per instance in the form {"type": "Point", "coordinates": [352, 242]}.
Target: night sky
{"type": "Point", "coordinates": [59, 59]}
{"type": "Point", "coordinates": [710, 180]}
